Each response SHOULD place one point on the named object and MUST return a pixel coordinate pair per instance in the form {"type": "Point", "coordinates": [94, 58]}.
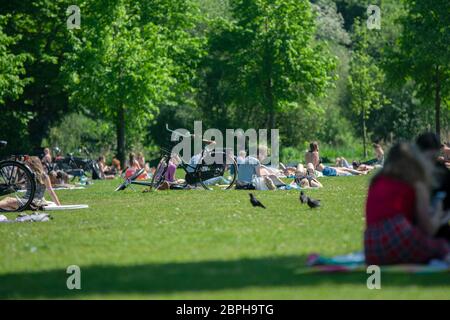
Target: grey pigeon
{"type": "Point", "coordinates": [313, 203]}
{"type": "Point", "coordinates": [303, 197]}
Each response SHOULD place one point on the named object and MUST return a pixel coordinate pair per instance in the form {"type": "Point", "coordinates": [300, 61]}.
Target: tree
{"type": "Point", "coordinates": [330, 23]}
{"type": "Point", "coordinates": [12, 82]}
{"type": "Point", "coordinates": [12, 68]}
{"type": "Point", "coordinates": [119, 68]}
{"type": "Point", "coordinates": [41, 32]}
{"type": "Point", "coordinates": [129, 58]}
{"type": "Point", "coordinates": [264, 61]}
{"type": "Point", "coordinates": [423, 54]}
{"type": "Point", "coordinates": [365, 79]}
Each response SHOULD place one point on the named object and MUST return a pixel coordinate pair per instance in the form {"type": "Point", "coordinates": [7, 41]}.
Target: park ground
{"type": "Point", "coordinates": [198, 245]}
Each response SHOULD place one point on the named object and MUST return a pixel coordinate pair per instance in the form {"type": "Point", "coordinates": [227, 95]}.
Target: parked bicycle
{"type": "Point", "coordinates": [77, 166]}
{"type": "Point", "coordinates": [16, 181]}
{"type": "Point", "coordinates": [206, 171]}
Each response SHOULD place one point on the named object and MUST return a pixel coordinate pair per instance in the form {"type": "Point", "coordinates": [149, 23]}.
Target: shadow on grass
{"type": "Point", "coordinates": [193, 276]}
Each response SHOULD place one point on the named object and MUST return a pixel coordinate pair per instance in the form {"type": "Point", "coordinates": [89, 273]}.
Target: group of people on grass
{"type": "Point", "coordinates": [407, 209]}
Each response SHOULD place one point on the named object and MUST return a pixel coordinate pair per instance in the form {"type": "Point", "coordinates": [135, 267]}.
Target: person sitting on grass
{"type": "Point", "coordinates": [115, 167]}
{"type": "Point", "coordinates": [241, 157]}
{"type": "Point", "coordinates": [400, 225]}
{"type": "Point", "coordinates": [133, 166]}
{"type": "Point", "coordinates": [42, 184]}
{"type": "Point", "coordinates": [103, 169]}
{"type": "Point", "coordinates": [379, 155]}
{"type": "Point", "coordinates": [141, 160]}
{"type": "Point", "coordinates": [445, 150]}
{"type": "Point", "coordinates": [170, 180]}
{"type": "Point", "coordinates": [47, 159]}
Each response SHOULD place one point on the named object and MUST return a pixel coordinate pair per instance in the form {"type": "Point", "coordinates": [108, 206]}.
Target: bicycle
{"type": "Point", "coordinates": [77, 166]}
{"type": "Point", "coordinates": [203, 168]}
{"type": "Point", "coordinates": [16, 181]}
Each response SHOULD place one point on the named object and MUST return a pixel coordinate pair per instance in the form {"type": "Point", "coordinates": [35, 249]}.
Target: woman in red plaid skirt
{"type": "Point", "coordinates": [400, 226]}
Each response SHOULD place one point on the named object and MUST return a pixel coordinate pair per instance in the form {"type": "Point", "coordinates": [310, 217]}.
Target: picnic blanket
{"type": "Point", "coordinates": [356, 262]}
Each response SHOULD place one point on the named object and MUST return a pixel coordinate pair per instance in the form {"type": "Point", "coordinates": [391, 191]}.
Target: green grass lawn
{"type": "Point", "coordinates": [198, 245]}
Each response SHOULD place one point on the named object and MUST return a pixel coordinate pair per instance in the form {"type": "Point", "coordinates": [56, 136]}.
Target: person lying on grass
{"type": "Point", "coordinates": [269, 174]}
{"type": "Point", "coordinates": [341, 162]}
{"type": "Point", "coordinates": [401, 225]}
{"type": "Point", "coordinates": [42, 184]}
{"type": "Point", "coordinates": [312, 156]}
{"type": "Point", "coordinates": [254, 175]}
{"type": "Point", "coordinates": [306, 178]}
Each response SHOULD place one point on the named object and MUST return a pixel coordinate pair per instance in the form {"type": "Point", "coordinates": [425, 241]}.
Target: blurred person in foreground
{"type": "Point", "coordinates": [401, 226]}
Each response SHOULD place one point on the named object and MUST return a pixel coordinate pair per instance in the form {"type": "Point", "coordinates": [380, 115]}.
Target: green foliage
{"type": "Point", "coordinates": [11, 67]}
{"type": "Point", "coordinates": [330, 24]}
{"type": "Point", "coordinates": [126, 67]}
{"type": "Point", "coordinates": [365, 79]}
{"type": "Point", "coordinates": [76, 131]}
{"type": "Point", "coordinates": [138, 65]}
{"type": "Point", "coordinates": [423, 54]}
{"type": "Point", "coordinates": [214, 9]}
{"type": "Point", "coordinates": [291, 154]}
{"type": "Point", "coordinates": [264, 62]}
{"type": "Point", "coordinates": [40, 29]}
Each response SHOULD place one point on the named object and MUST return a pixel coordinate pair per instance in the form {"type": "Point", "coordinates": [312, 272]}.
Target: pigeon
{"type": "Point", "coordinates": [303, 197]}
{"type": "Point", "coordinates": [255, 202]}
{"type": "Point", "coordinates": [313, 203]}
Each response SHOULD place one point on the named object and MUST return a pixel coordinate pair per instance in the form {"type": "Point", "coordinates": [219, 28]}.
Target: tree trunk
{"type": "Point", "coordinates": [272, 115]}
{"type": "Point", "coordinates": [364, 132]}
{"type": "Point", "coordinates": [437, 103]}
{"type": "Point", "coordinates": [121, 135]}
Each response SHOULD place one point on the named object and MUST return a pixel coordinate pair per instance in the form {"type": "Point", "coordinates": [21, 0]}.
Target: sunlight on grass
{"type": "Point", "coordinates": [199, 245]}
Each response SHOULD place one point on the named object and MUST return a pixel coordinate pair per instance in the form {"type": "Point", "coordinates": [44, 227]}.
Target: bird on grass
{"type": "Point", "coordinates": [312, 203]}
{"type": "Point", "coordinates": [303, 197]}
{"type": "Point", "coordinates": [255, 202]}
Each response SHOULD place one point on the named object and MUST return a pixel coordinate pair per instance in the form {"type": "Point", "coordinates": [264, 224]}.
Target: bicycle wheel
{"type": "Point", "coordinates": [128, 181]}
{"type": "Point", "coordinates": [221, 174]}
{"type": "Point", "coordinates": [160, 173]}
{"type": "Point", "coordinates": [17, 186]}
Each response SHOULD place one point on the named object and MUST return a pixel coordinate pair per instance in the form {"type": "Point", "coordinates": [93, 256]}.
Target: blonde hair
{"type": "Point", "coordinates": [35, 165]}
